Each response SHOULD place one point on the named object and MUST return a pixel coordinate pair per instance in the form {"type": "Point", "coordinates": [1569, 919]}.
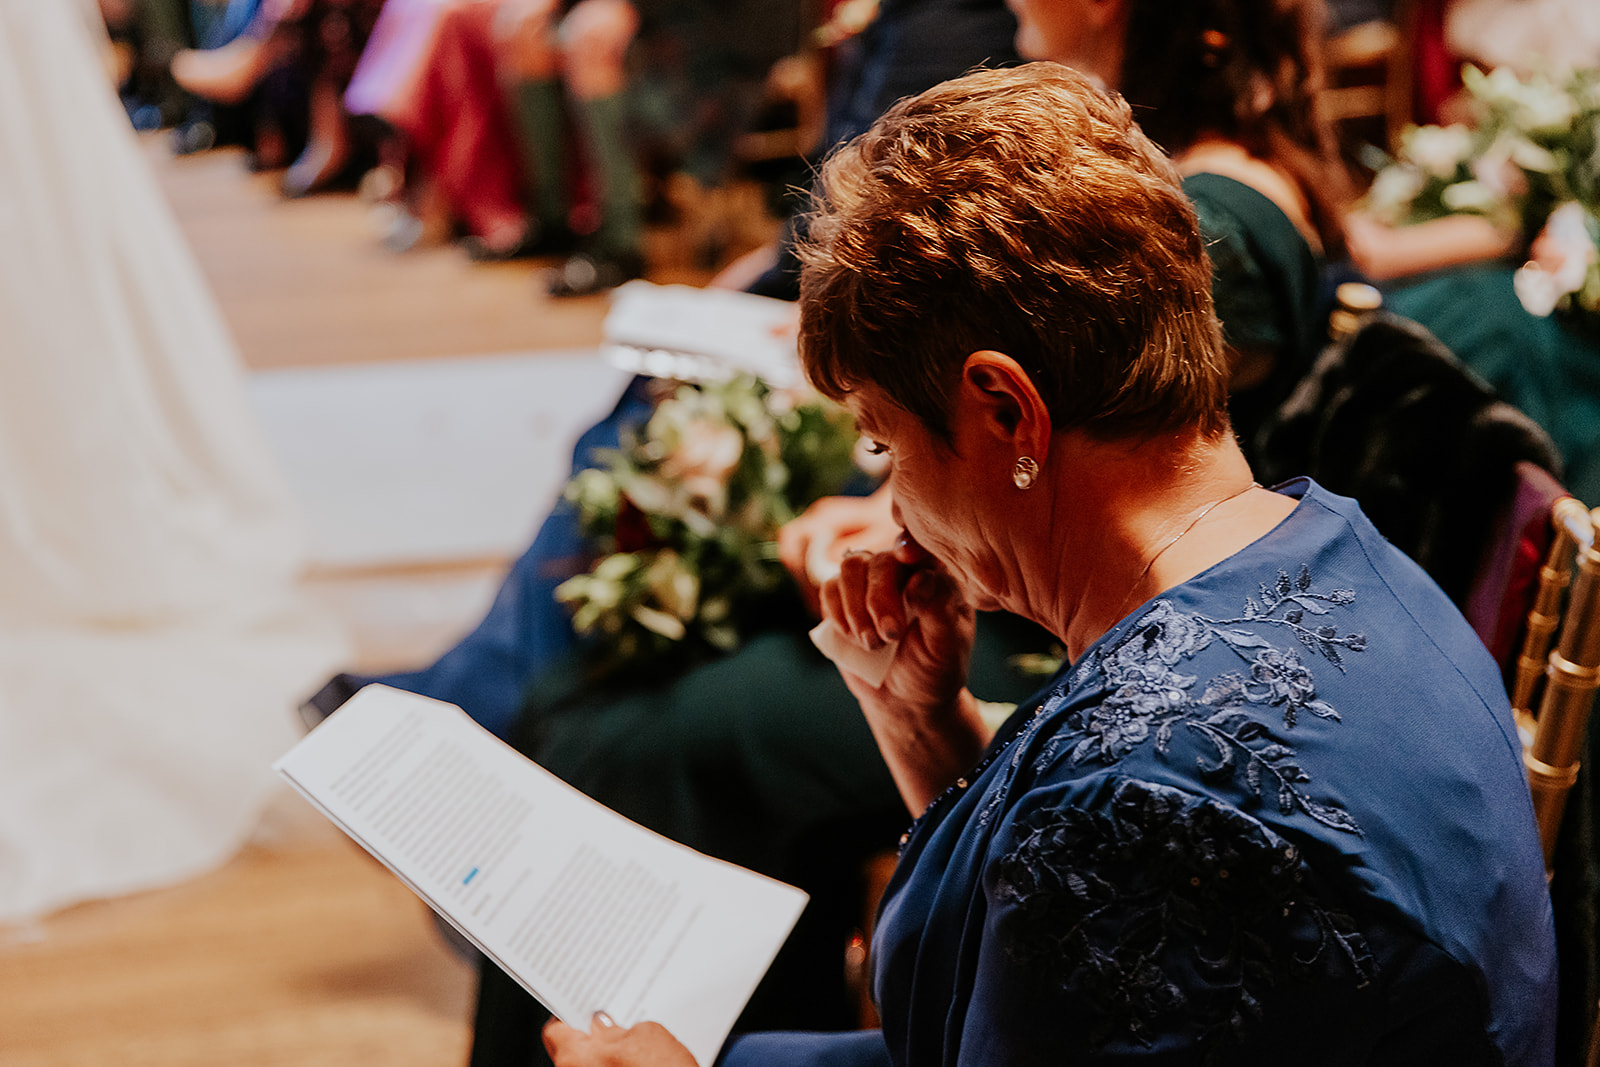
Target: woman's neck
{"type": "Point", "coordinates": [1142, 519]}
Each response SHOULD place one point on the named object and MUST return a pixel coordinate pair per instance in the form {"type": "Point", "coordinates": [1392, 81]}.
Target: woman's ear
{"type": "Point", "coordinates": [998, 393]}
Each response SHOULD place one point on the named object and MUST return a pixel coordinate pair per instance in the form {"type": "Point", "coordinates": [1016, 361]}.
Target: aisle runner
{"type": "Point", "coordinates": [430, 461]}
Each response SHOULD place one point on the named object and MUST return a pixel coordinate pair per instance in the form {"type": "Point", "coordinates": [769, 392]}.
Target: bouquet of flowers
{"type": "Point", "coordinates": [1440, 170]}
{"type": "Point", "coordinates": [1531, 160]}
{"type": "Point", "coordinates": [685, 516]}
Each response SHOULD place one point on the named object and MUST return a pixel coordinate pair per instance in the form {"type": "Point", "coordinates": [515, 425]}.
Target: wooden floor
{"type": "Point", "coordinates": [302, 951]}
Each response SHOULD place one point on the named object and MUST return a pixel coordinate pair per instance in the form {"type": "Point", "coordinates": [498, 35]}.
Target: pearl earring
{"type": "Point", "coordinates": [1024, 472]}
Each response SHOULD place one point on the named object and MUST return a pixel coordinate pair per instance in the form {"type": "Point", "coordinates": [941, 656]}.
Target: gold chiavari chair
{"type": "Point", "coordinates": [1563, 680]}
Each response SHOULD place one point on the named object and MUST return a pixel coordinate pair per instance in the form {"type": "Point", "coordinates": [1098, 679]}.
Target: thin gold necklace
{"type": "Point", "coordinates": [1151, 562]}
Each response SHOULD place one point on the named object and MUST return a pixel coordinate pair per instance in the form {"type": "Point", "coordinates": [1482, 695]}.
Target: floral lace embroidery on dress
{"type": "Point", "coordinates": [1171, 909]}
{"type": "Point", "coordinates": [1149, 698]}
{"type": "Point", "coordinates": [1168, 913]}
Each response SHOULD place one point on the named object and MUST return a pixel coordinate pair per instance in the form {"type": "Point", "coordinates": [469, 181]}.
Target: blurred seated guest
{"type": "Point", "coordinates": [673, 81]}
{"type": "Point", "coordinates": [902, 48]}
{"type": "Point", "coordinates": [433, 72]}
{"type": "Point", "coordinates": [485, 89]}
{"type": "Point", "coordinates": [150, 32]}
{"type": "Point", "coordinates": [294, 59]}
{"type": "Point", "coordinates": [1229, 89]}
{"type": "Point", "coordinates": [1479, 233]}
{"type": "Point", "coordinates": [154, 32]}
{"type": "Point", "coordinates": [556, 55]}
{"type": "Point", "coordinates": [1225, 832]}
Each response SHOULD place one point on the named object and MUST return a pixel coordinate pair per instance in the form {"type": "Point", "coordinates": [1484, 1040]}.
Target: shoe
{"type": "Point", "coordinates": [535, 240]}
{"type": "Point", "coordinates": [586, 274]}
{"type": "Point", "coordinates": [321, 168]}
{"type": "Point", "coordinates": [193, 135]}
{"type": "Point", "coordinates": [399, 229]}
{"type": "Point", "coordinates": [145, 116]}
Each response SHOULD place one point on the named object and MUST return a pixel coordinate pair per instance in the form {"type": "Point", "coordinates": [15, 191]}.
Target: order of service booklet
{"type": "Point", "coordinates": [586, 909]}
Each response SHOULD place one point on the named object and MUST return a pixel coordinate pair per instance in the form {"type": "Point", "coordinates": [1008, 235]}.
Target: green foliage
{"type": "Point", "coordinates": [685, 515]}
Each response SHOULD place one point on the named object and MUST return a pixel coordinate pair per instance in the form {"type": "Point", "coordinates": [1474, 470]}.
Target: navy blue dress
{"type": "Point", "coordinates": [1277, 813]}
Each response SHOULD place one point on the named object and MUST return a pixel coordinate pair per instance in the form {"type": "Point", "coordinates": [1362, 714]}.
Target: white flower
{"type": "Point", "coordinates": [1438, 150]}
{"type": "Point", "coordinates": [1589, 94]}
{"type": "Point", "coordinates": [702, 449]}
{"type": "Point", "coordinates": [706, 453]}
{"type": "Point", "coordinates": [1500, 88]}
{"type": "Point", "coordinates": [669, 626]}
{"type": "Point", "coordinates": [1392, 192]}
{"type": "Point", "coordinates": [1529, 156]}
{"type": "Point", "coordinates": [1544, 109]}
{"type": "Point", "coordinates": [1495, 169]}
{"type": "Point", "coordinates": [592, 490]}
{"type": "Point", "coordinates": [1469, 196]}
{"type": "Point", "coordinates": [1562, 257]}
{"type": "Point", "coordinates": [649, 495]}
{"type": "Point", "coordinates": [616, 567]}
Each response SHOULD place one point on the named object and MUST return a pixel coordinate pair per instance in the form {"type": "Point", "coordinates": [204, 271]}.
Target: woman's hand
{"type": "Point", "coordinates": [812, 545]}
{"type": "Point", "coordinates": [924, 719]}
{"type": "Point", "coordinates": [609, 1045]}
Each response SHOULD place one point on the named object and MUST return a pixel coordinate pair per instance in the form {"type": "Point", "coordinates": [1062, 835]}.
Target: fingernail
{"type": "Point", "coordinates": [603, 1020]}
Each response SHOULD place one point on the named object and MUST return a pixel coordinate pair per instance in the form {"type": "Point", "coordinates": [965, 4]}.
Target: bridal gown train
{"type": "Point", "coordinates": [152, 641]}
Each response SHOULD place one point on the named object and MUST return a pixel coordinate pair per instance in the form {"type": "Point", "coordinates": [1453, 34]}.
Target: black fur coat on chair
{"type": "Point", "coordinates": [1390, 417]}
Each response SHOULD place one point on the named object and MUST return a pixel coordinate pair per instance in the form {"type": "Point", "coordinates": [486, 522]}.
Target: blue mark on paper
{"type": "Point", "coordinates": [470, 876]}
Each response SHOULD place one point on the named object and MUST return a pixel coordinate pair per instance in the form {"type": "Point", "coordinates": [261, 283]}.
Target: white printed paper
{"type": "Point", "coordinates": [693, 334]}
{"type": "Point", "coordinates": [587, 910]}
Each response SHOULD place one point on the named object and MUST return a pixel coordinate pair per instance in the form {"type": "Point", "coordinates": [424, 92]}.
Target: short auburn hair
{"type": "Point", "coordinates": [1023, 211]}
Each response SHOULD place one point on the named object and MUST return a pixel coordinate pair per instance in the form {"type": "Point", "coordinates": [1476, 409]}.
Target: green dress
{"type": "Point", "coordinates": [1265, 282]}
{"type": "Point", "coordinates": [1548, 367]}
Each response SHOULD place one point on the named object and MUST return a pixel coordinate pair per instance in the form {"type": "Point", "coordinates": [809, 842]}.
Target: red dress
{"type": "Point", "coordinates": [429, 71]}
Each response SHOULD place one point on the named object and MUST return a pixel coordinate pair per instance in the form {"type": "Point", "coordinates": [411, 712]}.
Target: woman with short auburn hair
{"type": "Point", "coordinates": [1273, 806]}
{"type": "Point", "coordinates": [912, 269]}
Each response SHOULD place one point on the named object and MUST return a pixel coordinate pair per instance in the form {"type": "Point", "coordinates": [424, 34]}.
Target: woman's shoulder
{"type": "Point", "coordinates": [1251, 189]}
{"type": "Point", "coordinates": [1273, 679]}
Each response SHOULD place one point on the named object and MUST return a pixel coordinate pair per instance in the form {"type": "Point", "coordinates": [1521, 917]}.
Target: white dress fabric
{"type": "Point", "coordinates": [153, 643]}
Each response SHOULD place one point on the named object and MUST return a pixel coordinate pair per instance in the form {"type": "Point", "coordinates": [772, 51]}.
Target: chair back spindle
{"type": "Point", "coordinates": [1571, 672]}
{"type": "Point", "coordinates": [1567, 518]}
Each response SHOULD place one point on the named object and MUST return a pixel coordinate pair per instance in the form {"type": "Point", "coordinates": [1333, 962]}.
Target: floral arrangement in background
{"type": "Point", "coordinates": [1531, 160]}
{"type": "Point", "coordinates": [685, 516]}
{"type": "Point", "coordinates": [1437, 173]}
